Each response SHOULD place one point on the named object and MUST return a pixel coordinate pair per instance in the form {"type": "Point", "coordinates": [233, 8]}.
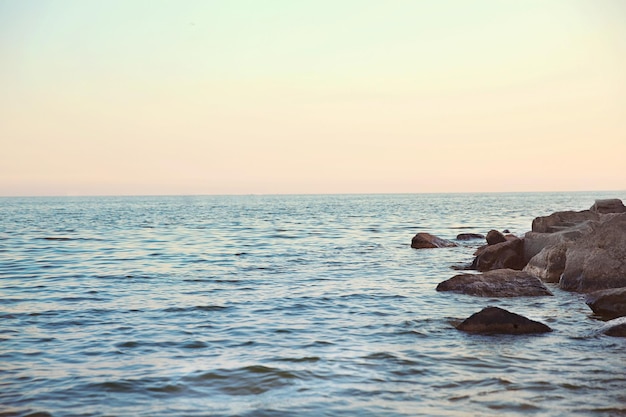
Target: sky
{"type": "Point", "coordinates": [129, 97]}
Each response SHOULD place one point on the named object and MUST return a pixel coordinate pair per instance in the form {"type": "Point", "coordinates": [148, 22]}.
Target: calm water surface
{"type": "Point", "coordinates": [280, 306]}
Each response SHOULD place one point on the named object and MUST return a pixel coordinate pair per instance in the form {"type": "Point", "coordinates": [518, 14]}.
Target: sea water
{"type": "Point", "coordinates": [311, 305]}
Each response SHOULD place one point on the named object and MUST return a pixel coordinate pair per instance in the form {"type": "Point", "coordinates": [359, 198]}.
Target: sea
{"type": "Point", "coordinates": [282, 305]}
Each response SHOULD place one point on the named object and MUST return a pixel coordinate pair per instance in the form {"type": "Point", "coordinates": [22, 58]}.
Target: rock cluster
{"type": "Point", "coordinates": [581, 251]}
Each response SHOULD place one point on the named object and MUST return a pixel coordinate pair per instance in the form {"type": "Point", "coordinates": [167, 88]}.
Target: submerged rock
{"type": "Point", "coordinates": [615, 328]}
{"type": "Point", "coordinates": [495, 320]}
{"type": "Point", "coordinates": [497, 283]}
{"type": "Point", "coordinates": [508, 254]}
{"type": "Point", "coordinates": [469, 236]}
{"type": "Point", "coordinates": [609, 304]}
{"type": "Point", "coordinates": [426, 241]}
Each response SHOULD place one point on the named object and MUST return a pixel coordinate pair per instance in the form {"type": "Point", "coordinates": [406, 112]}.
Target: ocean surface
{"type": "Point", "coordinates": [311, 305]}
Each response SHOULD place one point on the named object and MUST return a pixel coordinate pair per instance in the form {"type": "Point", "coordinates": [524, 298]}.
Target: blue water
{"type": "Point", "coordinates": [280, 306]}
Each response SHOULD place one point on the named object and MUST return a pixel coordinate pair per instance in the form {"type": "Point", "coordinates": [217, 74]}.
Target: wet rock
{"type": "Point", "coordinates": [504, 255]}
{"type": "Point", "coordinates": [613, 205]}
{"type": "Point", "coordinates": [609, 304]}
{"type": "Point", "coordinates": [494, 320]}
{"type": "Point", "coordinates": [426, 240]}
{"type": "Point", "coordinates": [548, 264]}
{"type": "Point", "coordinates": [597, 260]}
{"type": "Point", "coordinates": [469, 236]}
{"type": "Point", "coordinates": [615, 328]}
{"type": "Point", "coordinates": [494, 237]}
{"type": "Point", "coordinates": [497, 283]}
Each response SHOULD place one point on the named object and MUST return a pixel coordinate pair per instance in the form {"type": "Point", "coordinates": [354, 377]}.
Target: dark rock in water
{"type": "Point", "coordinates": [494, 237]}
{"type": "Point", "coordinates": [548, 264]}
{"type": "Point", "coordinates": [504, 255]}
{"type": "Point", "coordinates": [426, 240]}
{"type": "Point", "coordinates": [615, 328]}
{"type": "Point", "coordinates": [597, 260]}
{"type": "Point", "coordinates": [609, 304]}
{"type": "Point", "coordinates": [497, 283]}
{"type": "Point", "coordinates": [494, 320]}
{"type": "Point", "coordinates": [613, 205]}
{"type": "Point", "coordinates": [506, 231]}
{"type": "Point", "coordinates": [469, 236]}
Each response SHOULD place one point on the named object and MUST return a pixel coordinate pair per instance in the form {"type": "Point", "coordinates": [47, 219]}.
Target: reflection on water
{"type": "Point", "coordinates": [280, 305]}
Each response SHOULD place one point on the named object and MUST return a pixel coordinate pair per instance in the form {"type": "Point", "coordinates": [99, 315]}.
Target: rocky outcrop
{"type": "Point", "coordinates": [613, 205]}
{"type": "Point", "coordinates": [508, 254]}
{"type": "Point", "coordinates": [597, 260]}
{"type": "Point", "coordinates": [497, 283]}
{"type": "Point", "coordinates": [608, 304]}
{"type": "Point", "coordinates": [494, 320]}
{"type": "Point", "coordinates": [469, 236]}
{"type": "Point", "coordinates": [494, 237]}
{"type": "Point", "coordinates": [584, 251]}
{"type": "Point", "coordinates": [426, 241]}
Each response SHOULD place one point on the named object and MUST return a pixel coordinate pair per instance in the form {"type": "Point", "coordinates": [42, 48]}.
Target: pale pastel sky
{"type": "Point", "coordinates": [281, 96]}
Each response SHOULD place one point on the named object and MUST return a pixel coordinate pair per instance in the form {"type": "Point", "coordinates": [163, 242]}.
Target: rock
{"type": "Point", "coordinates": [597, 260]}
{"type": "Point", "coordinates": [494, 320]}
{"type": "Point", "coordinates": [562, 220]}
{"type": "Point", "coordinates": [549, 263]}
{"type": "Point", "coordinates": [497, 283]}
{"type": "Point", "coordinates": [609, 304]}
{"type": "Point", "coordinates": [506, 231]}
{"type": "Point", "coordinates": [426, 240]}
{"type": "Point", "coordinates": [494, 237]}
{"type": "Point", "coordinates": [535, 242]}
{"type": "Point", "coordinates": [613, 205]}
{"type": "Point", "coordinates": [615, 328]}
{"type": "Point", "coordinates": [469, 236]}
{"type": "Point", "coordinates": [504, 255]}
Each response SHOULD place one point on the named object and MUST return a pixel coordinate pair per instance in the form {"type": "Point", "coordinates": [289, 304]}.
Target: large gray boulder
{"type": "Point", "coordinates": [535, 242]}
{"type": "Point", "coordinates": [494, 320]}
{"type": "Point", "coordinates": [427, 241]}
{"type": "Point", "coordinates": [609, 304]}
{"type": "Point", "coordinates": [597, 260]}
{"type": "Point", "coordinates": [497, 283]}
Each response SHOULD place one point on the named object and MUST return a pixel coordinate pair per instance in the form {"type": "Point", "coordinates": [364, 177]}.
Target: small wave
{"type": "Point", "coordinates": [196, 308]}
{"type": "Point", "coordinates": [249, 380]}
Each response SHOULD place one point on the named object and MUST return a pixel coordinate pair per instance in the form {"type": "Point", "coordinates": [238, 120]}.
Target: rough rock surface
{"type": "Point", "coordinates": [426, 240]}
{"type": "Point", "coordinates": [597, 260]}
{"type": "Point", "coordinates": [497, 283]}
{"type": "Point", "coordinates": [494, 320]}
{"type": "Point", "coordinates": [613, 205]}
{"type": "Point", "coordinates": [562, 220]}
{"type": "Point", "coordinates": [535, 242]}
{"type": "Point", "coordinates": [504, 255]}
{"type": "Point", "coordinates": [549, 263]}
{"type": "Point", "coordinates": [494, 237]}
{"type": "Point", "coordinates": [609, 304]}
{"type": "Point", "coordinates": [469, 236]}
